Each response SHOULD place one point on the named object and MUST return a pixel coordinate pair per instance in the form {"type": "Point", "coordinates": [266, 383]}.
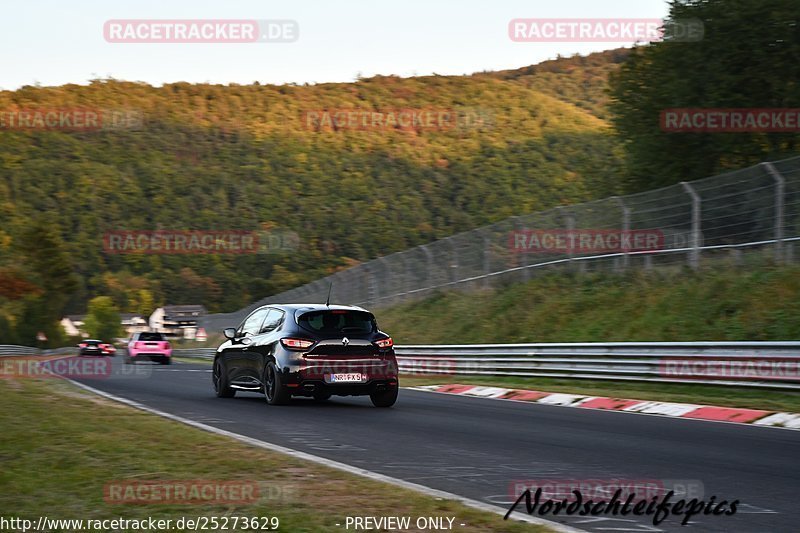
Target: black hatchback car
{"type": "Point", "coordinates": [307, 350]}
{"type": "Point", "coordinates": [91, 347]}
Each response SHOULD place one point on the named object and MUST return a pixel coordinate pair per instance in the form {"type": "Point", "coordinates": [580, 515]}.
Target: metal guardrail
{"type": "Point", "coordinates": [774, 365]}
{"type": "Point", "coordinates": [194, 353]}
{"type": "Point", "coordinates": [9, 350]}
{"type": "Point", "coordinates": [743, 364]}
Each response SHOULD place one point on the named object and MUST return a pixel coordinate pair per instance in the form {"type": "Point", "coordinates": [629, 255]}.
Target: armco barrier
{"type": "Point", "coordinates": [743, 364]}
{"type": "Point", "coordinates": [194, 353]}
{"type": "Point", "coordinates": [8, 350]}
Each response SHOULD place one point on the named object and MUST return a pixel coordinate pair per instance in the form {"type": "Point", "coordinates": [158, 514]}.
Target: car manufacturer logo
{"type": "Point", "coordinates": [345, 341]}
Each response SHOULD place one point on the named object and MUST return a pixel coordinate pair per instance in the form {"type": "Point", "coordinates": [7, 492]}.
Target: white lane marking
{"type": "Point", "coordinates": [746, 508]}
{"type": "Point", "coordinates": [436, 493]}
{"type": "Point", "coordinates": [620, 527]}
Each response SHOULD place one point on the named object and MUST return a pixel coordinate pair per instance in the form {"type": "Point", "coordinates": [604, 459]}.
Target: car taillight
{"type": "Point", "coordinates": [82, 345]}
{"type": "Point", "coordinates": [296, 344]}
{"type": "Point", "coordinates": [385, 343]}
{"type": "Point", "coordinates": [166, 345]}
{"type": "Point", "coordinates": [137, 345]}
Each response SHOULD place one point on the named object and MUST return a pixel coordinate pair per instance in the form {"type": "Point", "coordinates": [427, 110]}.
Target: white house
{"type": "Point", "coordinates": [177, 320]}
{"type": "Point", "coordinates": [133, 323]}
{"type": "Point", "coordinates": [73, 325]}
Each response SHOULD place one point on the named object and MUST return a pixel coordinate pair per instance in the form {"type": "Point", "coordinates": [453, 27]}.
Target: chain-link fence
{"type": "Point", "coordinates": [753, 208]}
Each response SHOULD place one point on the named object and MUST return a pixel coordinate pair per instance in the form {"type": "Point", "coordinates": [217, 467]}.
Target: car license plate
{"type": "Point", "coordinates": [347, 378]}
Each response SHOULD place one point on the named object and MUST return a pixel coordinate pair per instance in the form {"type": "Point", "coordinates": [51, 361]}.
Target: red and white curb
{"type": "Point", "coordinates": [757, 417]}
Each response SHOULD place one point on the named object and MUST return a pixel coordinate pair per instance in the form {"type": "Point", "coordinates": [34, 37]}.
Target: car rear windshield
{"type": "Point", "coordinates": [338, 321]}
{"type": "Point", "coordinates": [151, 337]}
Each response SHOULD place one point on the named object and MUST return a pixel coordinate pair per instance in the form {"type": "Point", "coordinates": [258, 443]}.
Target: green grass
{"type": "Point", "coordinates": [61, 445]}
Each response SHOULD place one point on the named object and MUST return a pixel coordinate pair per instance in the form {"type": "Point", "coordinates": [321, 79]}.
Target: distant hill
{"type": "Point", "coordinates": [252, 157]}
{"type": "Point", "coordinates": [579, 80]}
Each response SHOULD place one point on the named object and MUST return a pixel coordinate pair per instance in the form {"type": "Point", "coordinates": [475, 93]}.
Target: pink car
{"type": "Point", "coordinates": [150, 346]}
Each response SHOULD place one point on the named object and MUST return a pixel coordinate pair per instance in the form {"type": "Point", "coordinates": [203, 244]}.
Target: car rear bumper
{"type": "Point", "coordinates": [312, 387]}
{"type": "Point", "coordinates": [314, 379]}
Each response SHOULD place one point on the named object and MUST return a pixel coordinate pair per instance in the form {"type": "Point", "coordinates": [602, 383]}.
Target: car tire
{"type": "Point", "coordinates": [166, 360]}
{"type": "Point", "coordinates": [275, 391]}
{"type": "Point", "coordinates": [384, 398]}
{"type": "Point", "coordinates": [219, 376]}
{"type": "Point", "coordinates": [321, 397]}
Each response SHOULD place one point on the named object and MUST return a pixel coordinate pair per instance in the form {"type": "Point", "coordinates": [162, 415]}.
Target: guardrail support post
{"type": "Point", "coordinates": [694, 255]}
{"type": "Point", "coordinates": [780, 186]}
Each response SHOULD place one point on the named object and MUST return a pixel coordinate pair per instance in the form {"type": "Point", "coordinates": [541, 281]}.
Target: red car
{"type": "Point", "coordinates": [150, 346]}
{"type": "Point", "coordinates": [108, 349]}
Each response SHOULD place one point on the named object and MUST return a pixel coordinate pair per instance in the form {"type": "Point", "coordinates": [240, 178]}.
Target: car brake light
{"type": "Point", "coordinates": [166, 346]}
{"type": "Point", "coordinates": [385, 343]}
{"type": "Point", "coordinates": [296, 344]}
{"type": "Point", "coordinates": [82, 345]}
{"type": "Point", "coordinates": [137, 345]}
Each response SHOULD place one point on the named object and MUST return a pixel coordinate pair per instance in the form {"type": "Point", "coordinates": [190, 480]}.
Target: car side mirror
{"type": "Point", "coordinates": [230, 333]}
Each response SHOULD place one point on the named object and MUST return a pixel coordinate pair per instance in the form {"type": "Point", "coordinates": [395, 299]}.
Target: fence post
{"type": "Point", "coordinates": [429, 265]}
{"type": "Point", "coordinates": [385, 288]}
{"type": "Point", "coordinates": [570, 226]}
{"type": "Point", "coordinates": [407, 279]}
{"type": "Point", "coordinates": [372, 287]}
{"type": "Point", "coordinates": [780, 185]}
{"type": "Point", "coordinates": [626, 227]}
{"type": "Point", "coordinates": [694, 255]}
{"type": "Point", "coordinates": [521, 255]}
{"type": "Point", "coordinates": [487, 243]}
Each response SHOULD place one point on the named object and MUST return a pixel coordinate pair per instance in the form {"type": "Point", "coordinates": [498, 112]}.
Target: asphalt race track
{"type": "Point", "coordinates": [477, 447]}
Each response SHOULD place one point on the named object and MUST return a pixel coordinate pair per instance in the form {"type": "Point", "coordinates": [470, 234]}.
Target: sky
{"type": "Point", "coordinates": [53, 42]}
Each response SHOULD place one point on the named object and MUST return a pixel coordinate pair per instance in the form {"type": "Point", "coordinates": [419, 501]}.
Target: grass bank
{"type": "Point", "coordinates": [719, 304]}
